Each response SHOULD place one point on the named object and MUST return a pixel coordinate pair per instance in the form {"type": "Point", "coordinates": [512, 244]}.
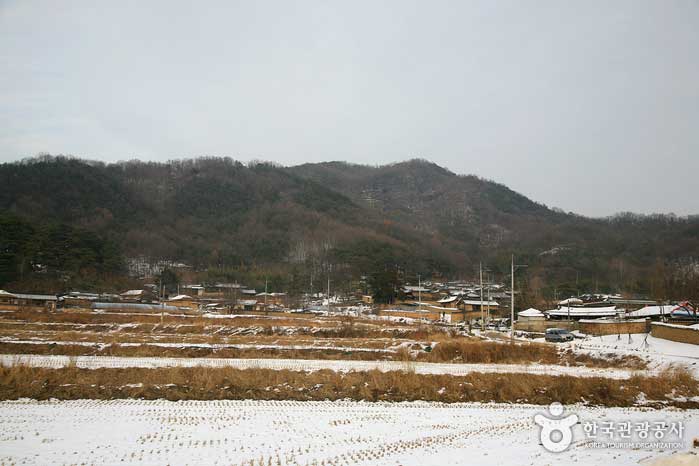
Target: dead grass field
{"type": "Point", "coordinates": [72, 316]}
{"type": "Point", "coordinates": [477, 351]}
{"type": "Point", "coordinates": [193, 352]}
{"type": "Point", "coordinates": [672, 388]}
{"type": "Point", "coordinates": [297, 336]}
{"type": "Point", "coordinates": [286, 324]}
{"type": "Point", "coordinates": [446, 352]}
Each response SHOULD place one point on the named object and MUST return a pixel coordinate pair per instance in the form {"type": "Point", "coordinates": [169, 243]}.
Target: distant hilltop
{"type": "Point", "coordinates": [68, 219]}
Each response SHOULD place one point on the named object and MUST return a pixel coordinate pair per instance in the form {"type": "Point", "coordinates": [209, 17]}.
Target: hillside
{"type": "Point", "coordinates": [488, 220]}
{"type": "Point", "coordinates": [246, 221]}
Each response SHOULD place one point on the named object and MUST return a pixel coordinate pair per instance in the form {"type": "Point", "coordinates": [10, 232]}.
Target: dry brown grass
{"type": "Point", "coordinates": [303, 324]}
{"type": "Point", "coordinates": [478, 351]}
{"type": "Point", "coordinates": [469, 351]}
{"type": "Point", "coordinates": [263, 384]}
{"type": "Point", "coordinates": [455, 351]}
{"type": "Point", "coordinates": [108, 332]}
{"type": "Point", "coordinates": [629, 361]}
{"type": "Point", "coordinates": [77, 316]}
{"type": "Point", "coordinates": [192, 352]}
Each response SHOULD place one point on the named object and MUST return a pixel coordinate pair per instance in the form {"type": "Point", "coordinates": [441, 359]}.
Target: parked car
{"type": "Point", "coordinates": [558, 335]}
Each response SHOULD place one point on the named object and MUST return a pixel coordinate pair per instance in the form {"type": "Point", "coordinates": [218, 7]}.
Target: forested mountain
{"type": "Point", "coordinates": [648, 254]}
{"type": "Point", "coordinates": [236, 221]}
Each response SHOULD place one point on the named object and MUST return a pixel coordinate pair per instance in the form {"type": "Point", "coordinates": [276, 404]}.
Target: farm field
{"type": "Point", "coordinates": [287, 336]}
{"type": "Point", "coordinates": [656, 352]}
{"type": "Point", "coordinates": [116, 388]}
{"type": "Point", "coordinates": [290, 335]}
{"type": "Point", "coordinates": [278, 433]}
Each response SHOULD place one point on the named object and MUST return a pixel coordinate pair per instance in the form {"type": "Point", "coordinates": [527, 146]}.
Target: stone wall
{"type": "Point", "coordinates": [540, 326]}
{"type": "Point", "coordinates": [675, 332]}
{"type": "Point", "coordinates": [413, 314]}
{"type": "Point", "coordinates": [614, 327]}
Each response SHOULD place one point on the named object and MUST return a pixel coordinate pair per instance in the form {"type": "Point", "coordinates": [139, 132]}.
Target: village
{"type": "Point", "coordinates": [459, 304]}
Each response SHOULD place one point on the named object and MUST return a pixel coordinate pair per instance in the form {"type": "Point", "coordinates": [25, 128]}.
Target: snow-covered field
{"type": "Point", "coordinates": [199, 345]}
{"type": "Point", "coordinates": [300, 433]}
{"type": "Point", "coordinates": [657, 352]}
{"type": "Point", "coordinates": [96, 362]}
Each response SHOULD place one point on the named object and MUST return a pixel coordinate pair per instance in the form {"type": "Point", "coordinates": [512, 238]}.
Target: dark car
{"type": "Point", "coordinates": [558, 335]}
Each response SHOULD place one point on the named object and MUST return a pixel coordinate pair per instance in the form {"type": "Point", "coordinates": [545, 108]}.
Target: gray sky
{"type": "Point", "coordinates": [591, 106]}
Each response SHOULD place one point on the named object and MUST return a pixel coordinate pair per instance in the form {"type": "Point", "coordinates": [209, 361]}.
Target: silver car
{"type": "Point", "coordinates": [558, 335]}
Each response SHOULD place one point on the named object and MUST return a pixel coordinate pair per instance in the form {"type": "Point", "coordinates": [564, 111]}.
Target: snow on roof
{"type": "Point", "coordinates": [570, 301]}
{"type": "Point", "coordinates": [449, 299]}
{"type": "Point", "coordinates": [180, 297]}
{"type": "Point", "coordinates": [531, 312]}
{"type": "Point", "coordinates": [416, 288]}
{"type": "Point", "coordinates": [450, 309]}
{"type": "Point", "coordinates": [80, 294]}
{"type": "Point", "coordinates": [611, 320]}
{"type": "Point", "coordinates": [134, 306]}
{"type": "Point", "coordinates": [424, 311]}
{"type": "Point", "coordinates": [478, 302]}
{"type": "Point", "coordinates": [132, 292]}
{"type": "Point", "coordinates": [39, 297]}
{"type": "Point", "coordinates": [584, 311]}
{"type": "Point", "coordinates": [651, 311]}
{"type": "Point", "coordinates": [6, 294]}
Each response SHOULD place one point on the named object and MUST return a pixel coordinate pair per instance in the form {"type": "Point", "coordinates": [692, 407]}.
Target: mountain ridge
{"type": "Point", "coordinates": [414, 216]}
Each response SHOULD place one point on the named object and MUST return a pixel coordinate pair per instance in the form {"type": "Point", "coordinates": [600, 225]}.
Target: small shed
{"type": "Point", "coordinates": [7, 297]}
{"type": "Point", "coordinates": [531, 320]}
{"type": "Point", "coordinates": [183, 301]}
{"type": "Point", "coordinates": [449, 301]}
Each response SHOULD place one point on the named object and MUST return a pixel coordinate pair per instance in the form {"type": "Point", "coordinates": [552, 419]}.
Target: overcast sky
{"type": "Point", "coordinates": [590, 106]}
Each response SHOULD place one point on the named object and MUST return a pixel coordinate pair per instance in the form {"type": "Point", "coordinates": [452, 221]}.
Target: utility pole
{"type": "Point", "coordinates": [487, 300]}
{"type": "Point", "coordinates": [480, 269]}
{"type": "Point", "coordinates": [512, 299]}
{"type": "Point", "coordinates": [330, 267]}
{"type": "Point", "coordinates": [419, 292]}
